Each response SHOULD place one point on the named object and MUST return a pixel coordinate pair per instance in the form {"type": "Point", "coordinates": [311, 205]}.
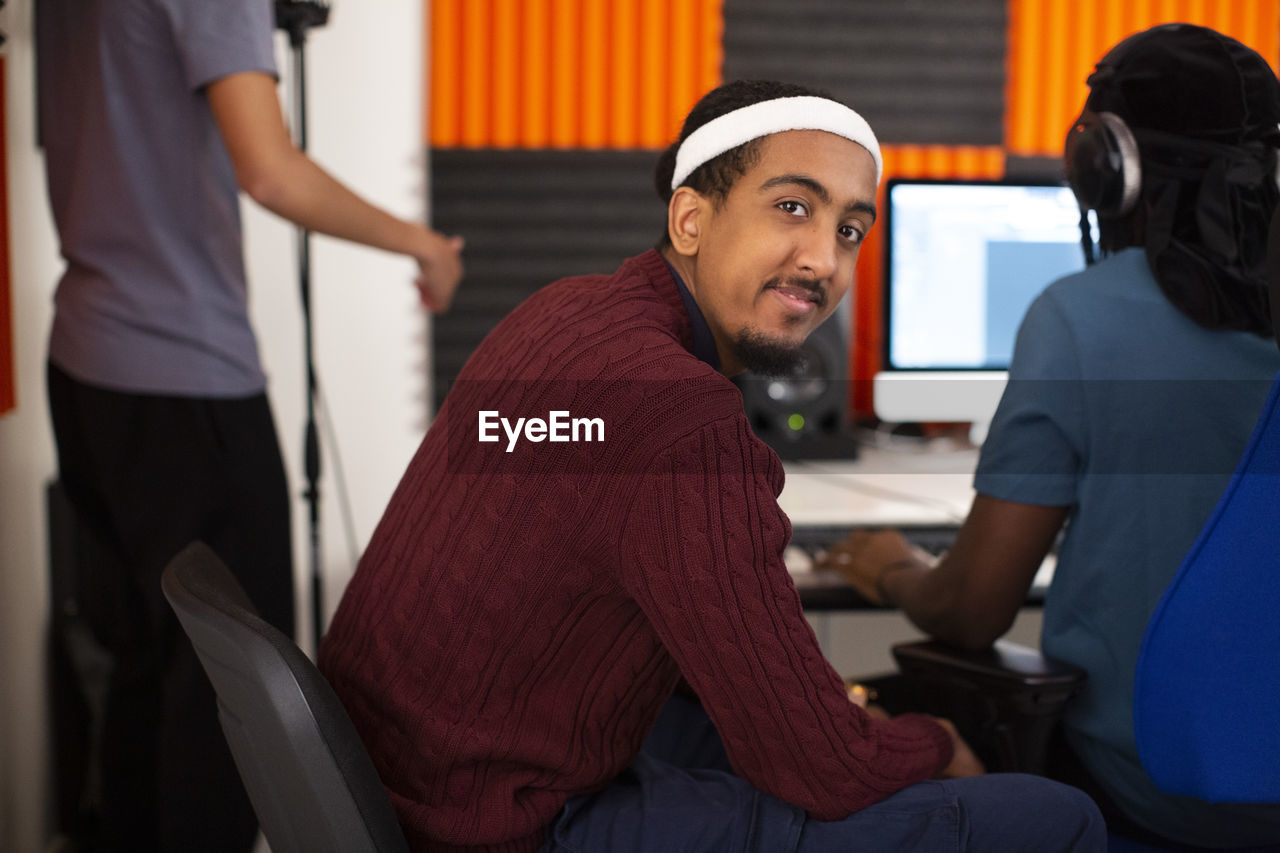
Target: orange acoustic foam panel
{"type": "Point", "coordinates": [589, 74]}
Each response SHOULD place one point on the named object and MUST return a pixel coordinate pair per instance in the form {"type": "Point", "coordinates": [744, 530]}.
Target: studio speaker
{"type": "Point", "coordinates": [805, 415]}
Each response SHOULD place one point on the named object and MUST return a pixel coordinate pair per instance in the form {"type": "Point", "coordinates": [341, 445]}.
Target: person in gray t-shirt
{"type": "Point", "coordinates": [154, 115]}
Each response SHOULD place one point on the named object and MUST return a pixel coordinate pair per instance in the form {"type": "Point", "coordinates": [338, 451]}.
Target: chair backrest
{"type": "Point", "coordinates": [307, 773]}
{"type": "Point", "coordinates": [1207, 684]}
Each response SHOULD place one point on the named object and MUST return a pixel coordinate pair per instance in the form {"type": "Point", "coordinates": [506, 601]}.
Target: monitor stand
{"type": "Point", "coordinates": [940, 396]}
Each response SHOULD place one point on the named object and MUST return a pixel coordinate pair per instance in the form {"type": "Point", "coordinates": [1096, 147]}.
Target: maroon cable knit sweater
{"type": "Point", "coordinates": [519, 618]}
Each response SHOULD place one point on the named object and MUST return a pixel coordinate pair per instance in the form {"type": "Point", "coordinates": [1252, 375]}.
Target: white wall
{"type": "Point", "coordinates": [364, 75]}
{"type": "Point", "coordinates": [26, 462]}
{"type": "Point", "coordinates": [364, 95]}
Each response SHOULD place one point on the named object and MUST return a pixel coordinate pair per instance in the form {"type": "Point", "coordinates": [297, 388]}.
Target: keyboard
{"type": "Point", "coordinates": [812, 539]}
{"type": "Point", "coordinates": [825, 589]}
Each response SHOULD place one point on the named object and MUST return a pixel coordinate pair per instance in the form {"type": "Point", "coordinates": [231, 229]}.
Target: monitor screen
{"type": "Point", "coordinates": [964, 260]}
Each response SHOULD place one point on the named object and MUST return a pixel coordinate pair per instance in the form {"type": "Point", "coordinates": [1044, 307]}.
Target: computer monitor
{"type": "Point", "coordinates": [963, 261]}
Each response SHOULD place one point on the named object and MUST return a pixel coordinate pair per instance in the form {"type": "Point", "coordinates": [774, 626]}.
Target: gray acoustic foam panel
{"type": "Point", "coordinates": [928, 72]}
{"type": "Point", "coordinates": [530, 218]}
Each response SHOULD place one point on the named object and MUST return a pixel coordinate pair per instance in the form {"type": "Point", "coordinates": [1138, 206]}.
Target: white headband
{"type": "Point", "coordinates": [761, 119]}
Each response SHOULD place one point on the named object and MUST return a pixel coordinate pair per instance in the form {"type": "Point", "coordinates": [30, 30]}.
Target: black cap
{"type": "Point", "coordinates": [1190, 81]}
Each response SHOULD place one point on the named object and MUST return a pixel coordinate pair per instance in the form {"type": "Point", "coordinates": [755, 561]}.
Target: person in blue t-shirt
{"type": "Point", "coordinates": [1133, 390]}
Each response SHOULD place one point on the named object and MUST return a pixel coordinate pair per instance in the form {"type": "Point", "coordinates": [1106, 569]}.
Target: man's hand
{"type": "Point", "coordinates": [439, 271]}
{"type": "Point", "coordinates": [865, 556]}
{"type": "Point", "coordinates": [963, 761]}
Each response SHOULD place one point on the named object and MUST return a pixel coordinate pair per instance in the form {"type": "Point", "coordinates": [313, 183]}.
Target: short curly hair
{"type": "Point", "coordinates": [716, 177]}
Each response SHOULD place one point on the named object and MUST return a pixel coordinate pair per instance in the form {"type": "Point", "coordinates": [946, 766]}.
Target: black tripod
{"type": "Point", "coordinates": [297, 17]}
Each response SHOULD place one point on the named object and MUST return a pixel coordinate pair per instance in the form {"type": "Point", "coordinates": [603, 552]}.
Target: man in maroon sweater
{"type": "Point", "coordinates": [590, 518]}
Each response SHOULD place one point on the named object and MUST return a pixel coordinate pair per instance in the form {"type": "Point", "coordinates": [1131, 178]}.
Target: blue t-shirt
{"type": "Point", "coordinates": [1123, 409]}
{"type": "Point", "coordinates": [144, 196]}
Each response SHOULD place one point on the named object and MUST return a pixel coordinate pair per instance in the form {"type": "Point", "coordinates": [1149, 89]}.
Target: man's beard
{"type": "Point", "coordinates": [765, 356]}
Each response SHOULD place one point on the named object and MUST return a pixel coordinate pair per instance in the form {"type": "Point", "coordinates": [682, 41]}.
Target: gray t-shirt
{"type": "Point", "coordinates": [1125, 410]}
{"type": "Point", "coordinates": [153, 298]}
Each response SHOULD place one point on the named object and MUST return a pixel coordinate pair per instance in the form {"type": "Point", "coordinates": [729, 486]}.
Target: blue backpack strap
{"type": "Point", "coordinates": [1207, 685]}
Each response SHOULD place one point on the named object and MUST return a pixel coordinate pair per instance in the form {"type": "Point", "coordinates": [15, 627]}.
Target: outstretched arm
{"type": "Point", "coordinates": [973, 593]}
{"type": "Point", "coordinates": [701, 554]}
{"type": "Point", "coordinates": [284, 180]}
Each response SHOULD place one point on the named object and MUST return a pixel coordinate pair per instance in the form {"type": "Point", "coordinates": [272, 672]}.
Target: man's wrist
{"type": "Point", "coordinates": [885, 571]}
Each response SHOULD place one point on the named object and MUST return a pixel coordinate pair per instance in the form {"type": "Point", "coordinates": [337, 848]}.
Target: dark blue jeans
{"type": "Point", "coordinates": [681, 795]}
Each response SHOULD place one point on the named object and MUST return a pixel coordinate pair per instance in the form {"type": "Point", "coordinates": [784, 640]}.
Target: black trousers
{"type": "Point", "coordinates": [146, 475]}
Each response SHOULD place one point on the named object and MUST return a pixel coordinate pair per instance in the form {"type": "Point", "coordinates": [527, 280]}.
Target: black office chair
{"type": "Point", "coordinates": [1007, 700]}
{"type": "Point", "coordinates": [308, 775]}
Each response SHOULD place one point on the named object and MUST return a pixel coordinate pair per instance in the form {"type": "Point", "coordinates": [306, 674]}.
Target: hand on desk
{"type": "Point", "coordinates": [864, 557]}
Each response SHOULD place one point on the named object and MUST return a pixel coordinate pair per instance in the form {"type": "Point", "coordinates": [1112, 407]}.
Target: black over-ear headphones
{"type": "Point", "coordinates": [1104, 170]}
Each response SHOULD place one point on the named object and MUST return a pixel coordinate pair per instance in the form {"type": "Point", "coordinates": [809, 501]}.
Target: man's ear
{"type": "Point", "coordinates": [685, 218]}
